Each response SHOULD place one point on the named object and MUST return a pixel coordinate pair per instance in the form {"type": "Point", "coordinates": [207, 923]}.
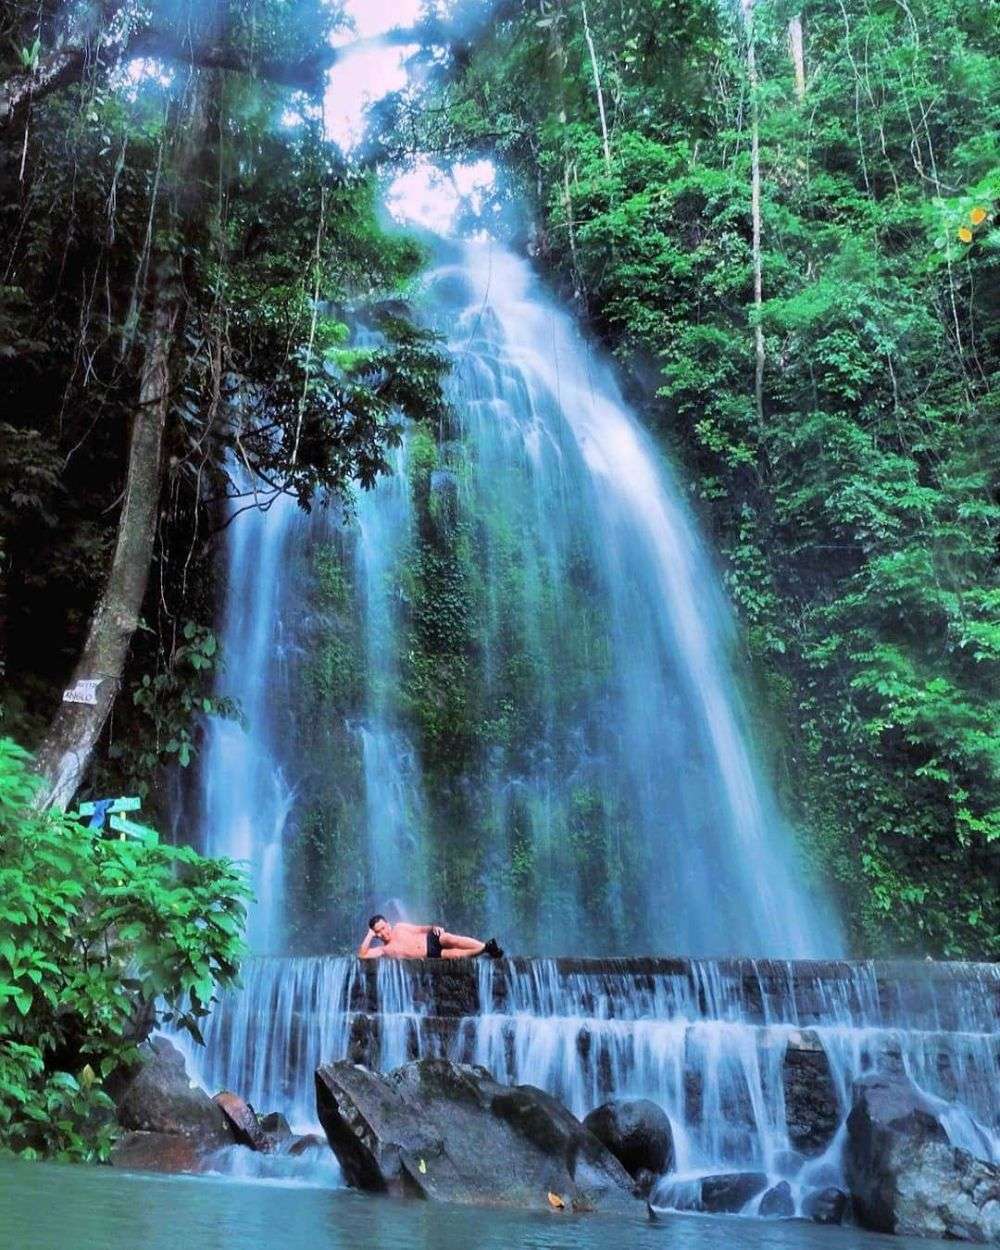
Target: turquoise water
{"type": "Point", "coordinates": [60, 1207]}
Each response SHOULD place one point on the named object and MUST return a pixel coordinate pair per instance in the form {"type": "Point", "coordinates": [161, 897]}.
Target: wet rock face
{"type": "Point", "coordinates": [637, 1133]}
{"type": "Point", "coordinates": [159, 1098]}
{"type": "Point", "coordinates": [811, 1110]}
{"type": "Point", "coordinates": [448, 1131]}
{"type": "Point", "coordinates": [904, 1175]}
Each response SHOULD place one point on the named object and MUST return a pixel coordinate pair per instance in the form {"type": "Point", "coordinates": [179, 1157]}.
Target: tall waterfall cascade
{"type": "Point", "coordinates": [501, 694]}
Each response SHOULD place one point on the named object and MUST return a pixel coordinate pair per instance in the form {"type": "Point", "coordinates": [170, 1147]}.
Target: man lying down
{"type": "Point", "coordinates": [421, 941]}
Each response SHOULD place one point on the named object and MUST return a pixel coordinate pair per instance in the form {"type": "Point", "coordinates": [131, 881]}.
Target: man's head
{"type": "Point", "coordinates": [380, 927]}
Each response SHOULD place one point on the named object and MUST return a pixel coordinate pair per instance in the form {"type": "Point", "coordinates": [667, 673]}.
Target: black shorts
{"type": "Point", "coordinates": [433, 946]}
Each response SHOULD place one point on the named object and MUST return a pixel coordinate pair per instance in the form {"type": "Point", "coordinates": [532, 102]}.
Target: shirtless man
{"type": "Point", "coordinates": [421, 941]}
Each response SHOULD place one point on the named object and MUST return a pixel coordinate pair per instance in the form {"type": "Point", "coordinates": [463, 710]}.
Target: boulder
{"type": "Point", "coordinates": [302, 1144]}
{"type": "Point", "coordinates": [825, 1206]}
{"type": "Point", "coordinates": [778, 1202]}
{"type": "Point", "coordinates": [730, 1191]}
{"type": "Point", "coordinates": [637, 1133]}
{"type": "Point", "coordinates": [448, 1131]}
{"type": "Point", "coordinates": [812, 1113]}
{"type": "Point", "coordinates": [903, 1173]}
{"type": "Point", "coordinates": [725, 1193]}
{"type": "Point", "coordinates": [159, 1152]}
{"type": "Point", "coordinates": [243, 1123]}
{"type": "Point", "coordinates": [159, 1098]}
{"type": "Point", "coordinates": [276, 1126]}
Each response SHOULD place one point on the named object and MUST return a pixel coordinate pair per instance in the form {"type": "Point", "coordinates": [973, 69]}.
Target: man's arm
{"type": "Point", "coordinates": [365, 951]}
{"type": "Point", "coordinates": [418, 928]}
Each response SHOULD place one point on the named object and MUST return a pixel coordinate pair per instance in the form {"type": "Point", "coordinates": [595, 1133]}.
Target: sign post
{"type": "Point", "coordinates": [100, 809]}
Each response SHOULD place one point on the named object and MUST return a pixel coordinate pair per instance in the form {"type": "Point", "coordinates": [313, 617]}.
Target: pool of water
{"type": "Point", "coordinates": [47, 1206]}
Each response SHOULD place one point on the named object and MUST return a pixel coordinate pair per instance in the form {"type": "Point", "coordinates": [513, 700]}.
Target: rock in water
{"type": "Point", "coordinates": [637, 1133]}
{"type": "Point", "coordinates": [243, 1122]}
{"type": "Point", "coordinates": [277, 1128]}
{"type": "Point", "coordinates": [727, 1193]}
{"type": "Point", "coordinates": [777, 1202]}
{"type": "Point", "coordinates": [159, 1098]}
{"type": "Point", "coordinates": [825, 1206]}
{"type": "Point", "coordinates": [448, 1131]}
{"type": "Point", "coordinates": [731, 1191]}
{"type": "Point", "coordinates": [904, 1175]}
{"type": "Point", "coordinates": [159, 1152]}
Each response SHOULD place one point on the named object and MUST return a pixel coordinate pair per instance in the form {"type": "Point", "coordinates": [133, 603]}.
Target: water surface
{"type": "Point", "coordinates": [59, 1207]}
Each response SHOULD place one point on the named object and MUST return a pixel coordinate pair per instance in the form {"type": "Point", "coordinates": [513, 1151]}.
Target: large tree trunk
{"type": "Point", "coordinates": [68, 746]}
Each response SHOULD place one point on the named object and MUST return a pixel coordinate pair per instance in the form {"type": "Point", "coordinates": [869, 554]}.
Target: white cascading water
{"type": "Point", "coordinates": [547, 444]}
{"type": "Point", "coordinates": [707, 1040]}
{"type": "Point", "coordinates": [704, 866]}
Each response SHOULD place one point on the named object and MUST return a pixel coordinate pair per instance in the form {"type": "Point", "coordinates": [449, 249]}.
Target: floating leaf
{"type": "Point", "coordinates": [422, 1167]}
{"type": "Point", "coordinates": [555, 1201]}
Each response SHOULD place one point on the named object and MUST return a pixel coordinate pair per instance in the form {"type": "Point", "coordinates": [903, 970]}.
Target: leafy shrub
{"type": "Point", "coordinates": [99, 939]}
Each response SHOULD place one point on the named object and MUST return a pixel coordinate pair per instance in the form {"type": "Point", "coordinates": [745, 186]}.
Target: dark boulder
{"type": "Point", "coordinates": [777, 1202]}
{"type": "Point", "coordinates": [903, 1173]}
{"type": "Point", "coordinates": [301, 1145]}
{"type": "Point", "coordinates": [243, 1123]}
{"type": "Point", "coordinates": [637, 1133]}
{"type": "Point", "coordinates": [825, 1206]}
{"type": "Point", "coordinates": [725, 1193]}
{"type": "Point", "coordinates": [159, 1098]}
{"type": "Point", "coordinates": [276, 1126]}
{"type": "Point", "coordinates": [450, 1132]}
{"type": "Point", "coordinates": [731, 1191]}
{"type": "Point", "coordinates": [812, 1113]}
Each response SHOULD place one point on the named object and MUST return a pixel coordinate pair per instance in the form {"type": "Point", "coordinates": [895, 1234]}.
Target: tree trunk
{"type": "Point", "coordinates": [65, 752]}
{"type": "Point", "coordinates": [797, 54]}
{"type": "Point", "coordinates": [597, 87]}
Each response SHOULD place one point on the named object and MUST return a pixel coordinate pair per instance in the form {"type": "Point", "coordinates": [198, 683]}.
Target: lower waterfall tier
{"type": "Point", "coordinates": [753, 1061]}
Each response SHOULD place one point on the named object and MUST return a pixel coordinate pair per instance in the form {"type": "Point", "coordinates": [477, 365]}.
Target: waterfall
{"type": "Point", "coordinates": [501, 695]}
{"type": "Point", "coordinates": [246, 790]}
{"type": "Point", "coordinates": [611, 578]}
{"type": "Point", "coordinates": [715, 1043]}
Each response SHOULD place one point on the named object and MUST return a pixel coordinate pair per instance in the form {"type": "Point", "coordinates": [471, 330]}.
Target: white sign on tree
{"type": "Point", "coordinates": [83, 691]}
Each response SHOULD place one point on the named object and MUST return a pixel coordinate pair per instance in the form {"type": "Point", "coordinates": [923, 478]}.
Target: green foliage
{"type": "Point", "coordinates": [98, 936]}
{"type": "Point", "coordinates": [167, 706]}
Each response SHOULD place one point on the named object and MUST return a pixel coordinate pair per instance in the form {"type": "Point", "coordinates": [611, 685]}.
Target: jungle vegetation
{"type": "Point", "coordinates": [779, 218]}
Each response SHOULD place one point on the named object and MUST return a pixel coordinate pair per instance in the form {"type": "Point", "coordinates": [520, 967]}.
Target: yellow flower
{"type": "Point", "coordinates": [977, 216]}
{"type": "Point", "coordinates": [965, 234]}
